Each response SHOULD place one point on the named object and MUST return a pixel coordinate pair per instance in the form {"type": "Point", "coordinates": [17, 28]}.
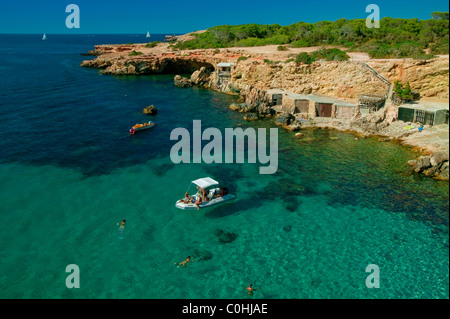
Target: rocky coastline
{"type": "Point", "coordinates": [252, 77]}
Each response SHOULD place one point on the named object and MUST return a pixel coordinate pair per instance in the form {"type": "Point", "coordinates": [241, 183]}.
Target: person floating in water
{"type": "Point", "coordinates": [183, 263]}
{"type": "Point", "coordinates": [122, 224]}
{"type": "Point", "coordinates": [250, 290]}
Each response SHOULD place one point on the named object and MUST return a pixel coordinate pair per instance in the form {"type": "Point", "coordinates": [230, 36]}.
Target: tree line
{"type": "Point", "coordinates": [396, 38]}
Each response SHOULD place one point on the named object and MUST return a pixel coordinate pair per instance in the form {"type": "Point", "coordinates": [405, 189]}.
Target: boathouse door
{"type": "Point", "coordinates": [324, 109]}
{"type": "Point", "coordinates": [302, 106]}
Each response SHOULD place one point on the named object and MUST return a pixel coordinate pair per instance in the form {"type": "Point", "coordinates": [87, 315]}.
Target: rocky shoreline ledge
{"type": "Point", "coordinates": [252, 77]}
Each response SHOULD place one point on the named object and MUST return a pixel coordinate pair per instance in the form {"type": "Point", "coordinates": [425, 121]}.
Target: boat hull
{"type": "Point", "coordinates": [144, 128]}
{"type": "Point", "coordinates": [212, 202]}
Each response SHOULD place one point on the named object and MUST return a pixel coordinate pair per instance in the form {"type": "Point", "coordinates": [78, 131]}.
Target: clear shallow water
{"type": "Point", "coordinates": [69, 172]}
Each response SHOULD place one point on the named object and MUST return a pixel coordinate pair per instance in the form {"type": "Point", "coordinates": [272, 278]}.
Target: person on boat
{"type": "Point", "coordinates": [250, 290]}
{"type": "Point", "coordinates": [187, 198]}
{"type": "Point", "coordinates": [204, 195]}
{"type": "Point", "coordinates": [220, 193]}
{"type": "Point", "coordinates": [198, 201]}
{"type": "Point", "coordinates": [122, 224]}
{"type": "Point", "coordinates": [183, 263]}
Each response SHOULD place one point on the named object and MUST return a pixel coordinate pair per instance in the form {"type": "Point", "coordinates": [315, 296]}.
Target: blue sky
{"type": "Point", "coordinates": [176, 16]}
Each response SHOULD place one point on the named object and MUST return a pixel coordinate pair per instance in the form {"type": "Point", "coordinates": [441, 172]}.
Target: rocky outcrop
{"type": "Point", "coordinates": [150, 110]}
{"type": "Point", "coordinates": [284, 119]}
{"type": "Point", "coordinates": [343, 79]}
{"type": "Point", "coordinates": [182, 82]}
{"type": "Point", "coordinates": [435, 165]}
{"type": "Point", "coordinates": [201, 77]}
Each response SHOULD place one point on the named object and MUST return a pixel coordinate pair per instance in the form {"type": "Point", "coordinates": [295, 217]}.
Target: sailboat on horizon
{"type": "Point", "coordinates": [148, 35]}
{"type": "Point", "coordinates": [44, 37]}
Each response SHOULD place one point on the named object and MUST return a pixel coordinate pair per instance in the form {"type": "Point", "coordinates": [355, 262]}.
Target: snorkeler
{"type": "Point", "coordinates": [122, 224]}
{"type": "Point", "coordinates": [250, 290]}
{"type": "Point", "coordinates": [183, 263]}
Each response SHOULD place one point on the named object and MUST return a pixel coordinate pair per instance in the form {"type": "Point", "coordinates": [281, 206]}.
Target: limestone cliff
{"type": "Point", "coordinates": [346, 79]}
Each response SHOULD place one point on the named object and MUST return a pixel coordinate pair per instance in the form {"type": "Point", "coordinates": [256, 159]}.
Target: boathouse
{"type": "Point", "coordinates": [323, 105]}
{"type": "Point", "coordinates": [424, 114]}
{"type": "Point", "coordinates": [370, 103]}
{"type": "Point", "coordinates": [275, 96]}
{"type": "Point", "coordinates": [298, 104]}
{"type": "Point", "coordinates": [343, 110]}
{"type": "Point", "coordinates": [224, 72]}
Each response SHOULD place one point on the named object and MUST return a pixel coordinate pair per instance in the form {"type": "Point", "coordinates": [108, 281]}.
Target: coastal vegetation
{"type": "Point", "coordinates": [152, 44]}
{"type": "Point", "coordinates": [396, 38]}
{"type": "Point", "coordinates": [322, 54]}
{"type": "Point", "coordinates": [134, 53]}
{"type": "Point", "coordinates": [403, 92]}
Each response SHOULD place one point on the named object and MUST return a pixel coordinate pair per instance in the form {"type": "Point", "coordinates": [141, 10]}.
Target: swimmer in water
{"type": "Point", "coordinates": [183, 263]}
{"type": "Point", "coordinates": [250, 290]}
{"type": "Point", "coordinates": [122, 224]}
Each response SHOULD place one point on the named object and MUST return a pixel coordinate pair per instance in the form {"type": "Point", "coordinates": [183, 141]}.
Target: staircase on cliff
{"type": "Point", "coordinates": [379, 77]}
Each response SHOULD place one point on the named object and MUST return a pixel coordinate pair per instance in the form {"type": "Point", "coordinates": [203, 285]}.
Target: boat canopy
{"type": "Point", "coordinates": [205, 182]}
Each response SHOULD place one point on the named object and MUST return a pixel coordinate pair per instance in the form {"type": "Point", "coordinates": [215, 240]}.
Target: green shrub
{"type": "Point", "coordinates": [441, 46]}
{"type": "Point", "coordinates": [242, 58]}
{"type": "Point", "coordinates": [330, 55]}
{"type": "Point", "coordinates": [403, 91]}
{"type": "Point", "coordinates": [282, 48]}
{"type": "Point", "coordinates": [152, 44]}
{"type": "Point", "coordinates": [304, 57]}
{"type": "Point", "coordinates": [134, 53]}
{"type": "Point", "coordinates": [289, 60]}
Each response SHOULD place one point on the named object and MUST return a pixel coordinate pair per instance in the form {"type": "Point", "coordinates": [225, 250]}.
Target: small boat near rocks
{"type": "Point", "coordinates": [141, 127]}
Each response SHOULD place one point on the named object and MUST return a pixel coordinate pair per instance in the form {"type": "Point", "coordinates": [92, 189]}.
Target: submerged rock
{"type": "Point", "coordinates": [250, 117]}
{"type": "Point", "coordinates": [202, 254]}
{"type": "Point", "coordinates": [287, 228]}
{"type": "Point", "coordinates": [224, 236]}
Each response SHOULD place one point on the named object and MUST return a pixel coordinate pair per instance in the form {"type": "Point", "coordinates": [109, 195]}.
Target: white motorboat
{"type": "Point", "coordinates": [140, 127]}
{"type": "Point", "coordinates": [215, 195]}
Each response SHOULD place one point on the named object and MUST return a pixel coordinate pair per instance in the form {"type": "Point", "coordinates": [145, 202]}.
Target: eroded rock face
{"type": "Point", "coordinates": [343, 79]}
{"type": "Point", "coordinates": [201, 77]}
{"type": "Point", "coordinates": [180, 81]}
{"type": "Point", "coordinates": [435, 165]}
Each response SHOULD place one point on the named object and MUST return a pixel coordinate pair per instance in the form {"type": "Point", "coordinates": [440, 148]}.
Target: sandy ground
{"type": "Point", "coordinates": [269, 52]}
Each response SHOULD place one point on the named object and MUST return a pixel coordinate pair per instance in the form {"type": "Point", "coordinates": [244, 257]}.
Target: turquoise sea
{"type": "Point", "coordinates": [69, 171]}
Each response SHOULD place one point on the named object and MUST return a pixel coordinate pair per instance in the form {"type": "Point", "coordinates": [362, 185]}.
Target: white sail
{"type": "Point", "coordinates": [44, 37]}
{"type": "Point", "coordinates": [148, 35]}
